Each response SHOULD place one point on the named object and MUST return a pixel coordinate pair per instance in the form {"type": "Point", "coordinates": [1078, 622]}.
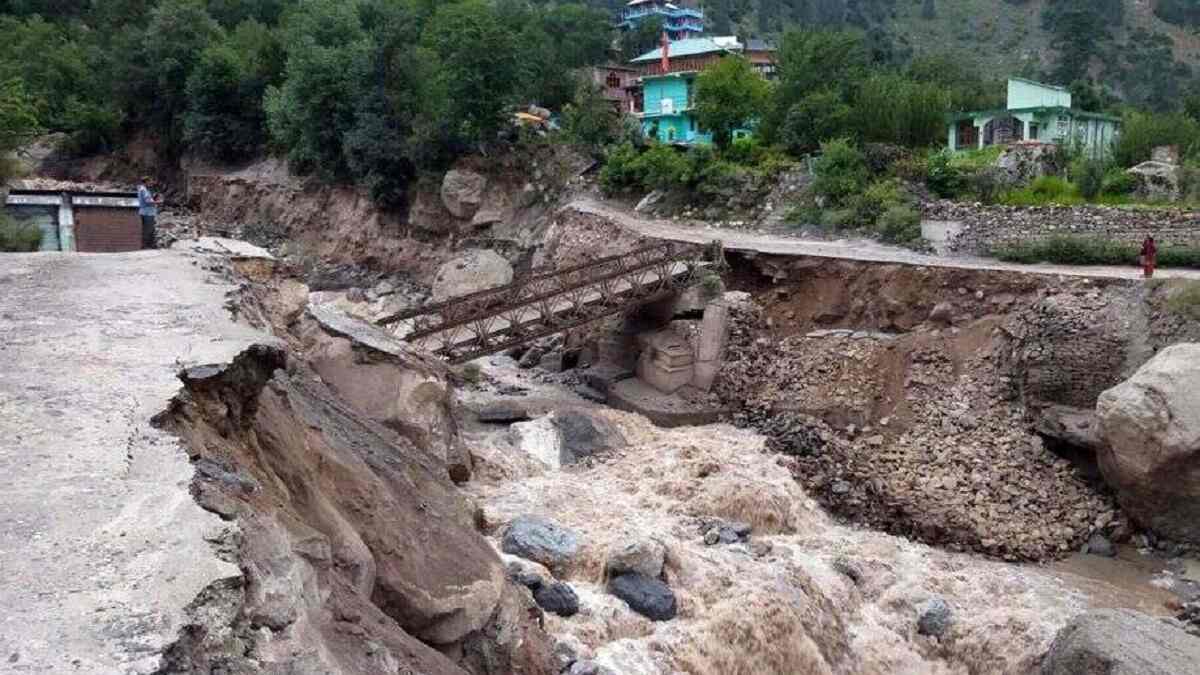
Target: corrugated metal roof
{"type": "Point", "coordinates": [681, 48]}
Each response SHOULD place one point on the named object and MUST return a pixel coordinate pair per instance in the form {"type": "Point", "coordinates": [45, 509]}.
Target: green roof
{"type": "Point", "coordinates": [688, 47]}
{"type": "Point", "coordinates": [954, 117]}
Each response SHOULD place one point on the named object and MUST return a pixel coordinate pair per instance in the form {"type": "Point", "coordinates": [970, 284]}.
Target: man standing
{"type": "Point", "coordinates": [148, 210]}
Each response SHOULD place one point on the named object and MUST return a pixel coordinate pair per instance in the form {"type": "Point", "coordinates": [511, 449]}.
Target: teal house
{"type": "Point", "coordinates": [665, 96]}
{"type": "Point", "coordinates": [1034, 112]}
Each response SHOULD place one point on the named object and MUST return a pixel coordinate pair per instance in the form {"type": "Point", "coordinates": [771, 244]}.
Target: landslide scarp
{"type": "Point", "coordinates": [357, 554]}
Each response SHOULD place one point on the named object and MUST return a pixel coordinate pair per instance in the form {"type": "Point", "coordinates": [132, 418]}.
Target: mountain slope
{"type": "Point", "coordinates": [1124, 45]}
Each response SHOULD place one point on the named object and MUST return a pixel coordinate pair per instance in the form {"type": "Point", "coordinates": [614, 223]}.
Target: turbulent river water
{"type": "Point", "coordinates": [808, 594]}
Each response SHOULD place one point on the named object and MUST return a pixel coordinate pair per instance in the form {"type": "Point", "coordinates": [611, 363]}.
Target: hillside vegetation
{"type": "Point", "coordinates": [1146, 52]}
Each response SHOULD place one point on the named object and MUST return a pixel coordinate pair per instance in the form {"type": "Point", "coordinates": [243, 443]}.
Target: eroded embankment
{"type": "Point", "coordinates": [357, 553]}
{"type": "Point", "coordinates": [910, 397]}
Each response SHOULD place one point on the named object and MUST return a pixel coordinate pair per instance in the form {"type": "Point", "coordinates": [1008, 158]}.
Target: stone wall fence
{"type": "Point", "coordinates": [981, 229]}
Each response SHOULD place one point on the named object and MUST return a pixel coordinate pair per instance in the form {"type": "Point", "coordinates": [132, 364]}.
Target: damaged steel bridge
{"type": "Point", "coordinates": [546, 302]}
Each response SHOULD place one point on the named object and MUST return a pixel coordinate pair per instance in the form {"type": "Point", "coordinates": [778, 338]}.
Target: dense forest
{"type": "Point", "coordinates": [377, 91]}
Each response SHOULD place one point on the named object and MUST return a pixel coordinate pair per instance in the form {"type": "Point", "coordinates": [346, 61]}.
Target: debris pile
{"type": "Point", "coordinates": [919, 435]}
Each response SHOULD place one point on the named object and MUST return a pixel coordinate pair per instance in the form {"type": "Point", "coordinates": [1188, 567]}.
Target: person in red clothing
{"type": "Point", "coordinates": [1149, 256]}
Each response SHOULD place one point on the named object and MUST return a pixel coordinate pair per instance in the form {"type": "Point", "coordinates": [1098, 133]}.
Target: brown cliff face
{"type": "Point", "coordinates": [357, 553]}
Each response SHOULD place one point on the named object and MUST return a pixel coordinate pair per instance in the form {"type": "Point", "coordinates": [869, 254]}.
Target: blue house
{"type": "Point", "coordinates": [678, 21]}
{"type": "Point", "coordinates": [667, 96]}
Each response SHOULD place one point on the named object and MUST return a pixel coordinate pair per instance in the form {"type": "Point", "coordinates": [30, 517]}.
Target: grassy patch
{"type": "Point", "coordinates": [1092, 251]}
{"type": "Point", "coordinates": [18, 237]}
{"type": "Point", "coordinates": [1185, 301]}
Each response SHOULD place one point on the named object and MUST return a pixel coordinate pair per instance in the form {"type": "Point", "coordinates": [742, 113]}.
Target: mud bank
{"type": "Point", "coordinates": [512, 199]}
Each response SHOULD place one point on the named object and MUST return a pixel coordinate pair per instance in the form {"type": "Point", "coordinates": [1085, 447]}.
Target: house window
{"type": "Point", "coordinates": [613, 81]}
{"type": "Point", "coordinates": [1033, 131]}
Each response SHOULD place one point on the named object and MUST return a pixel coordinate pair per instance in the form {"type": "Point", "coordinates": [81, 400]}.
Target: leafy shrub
{"type": "Point", "coordinates": [914, 167]}
{"type": "Point", "coordinates": [658, 167]}
{"type": "Point", "coordinates": [805, 214]}
{"type": "Point", "coordinates": [900, 224]}
{"type": "Point", "coordinates": [1088, 175]}
{"type": "Point", "coordinates": [839, 219]}
{"type": "Point", "coordinates": [744, 151]}
{"type": "Point", "coordinates": [986, 184]}
{"type": "Point", "coordinates": [1185, 301]}
{"type": "Point", "coordinates": [942, 176]}
{"type": "Point", "coordinates": [620, 169]}
{"type": "Point", "coordinates": [661, 166]}
{"type": "Point", "coordinates": [1068, 250]}
{"type": "Point", "coordinates": [1118, 182]}
{"type": "Point", "coordinates": [18, 237]}
{"type": "Point", "coordinates": [1179, 256]}
{"type": "Point", "coordinates": [1142, 132]}
{"type": "Point", "coordinates": [881, 157]}
{"type": "Point", "coordinates": [720, 179]}
{"type": "Point", "coordinates": [841, 172]}
{"type": "Point", "coordinates": [879, 196]}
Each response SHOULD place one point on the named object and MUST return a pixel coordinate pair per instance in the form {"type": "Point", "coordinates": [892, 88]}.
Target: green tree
{"type": "Point", "coordinates": [329, 55]}
{"type": "Point", "coordinates": [814, 60]}
{"type": "Point", "coordinates": [224, 120]}
{"type": "Point", "coordinates": [645, 37]}
{"type": "Point", "coordinates": [729, 96]}
{"type": "Point", "coordinates": [480, 65]}
{"type": "Point", "coordinates": [178, 33]}
{"type": "Point", "coordinates": [841, 173]}
{"type": "Point", "coordinates": [18, 123]}
{"type": "Point", "coordinates": [892, 109]}
{"type": "Point", "coordinates": [589, 120]}
{"type": "Point", "coordinates": [818, 117]}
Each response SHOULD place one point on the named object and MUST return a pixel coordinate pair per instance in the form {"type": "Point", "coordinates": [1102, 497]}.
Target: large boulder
{"type": "Point", "coordinates": [1121, 642]}
{"type": "Point", "coordinates": [640, 556]}
{"type": "Point", "coordinates": [645, 595]}
{"type": "Point", "coordinates": [541, 541]}
{"type": "Point", "coordinates": [462, 192]}
{"type": "Point", "coordinates": [1022, 162]}
{"type": "Point", "coordinates": [473, 271]}
{"type": "Point", "coordinates": [1156, 180]}
{"type": "Point", "coordinates": [1150, 426]}
{"type": "Point", "coordinates": [582, 435]}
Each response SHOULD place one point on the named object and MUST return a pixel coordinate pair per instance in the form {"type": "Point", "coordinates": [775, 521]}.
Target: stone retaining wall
{"type": "Point", "coordinates": [986, 227]}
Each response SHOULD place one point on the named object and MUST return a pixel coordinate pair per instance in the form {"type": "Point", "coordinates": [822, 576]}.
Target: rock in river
{"type": "Point", "coordinates": [541, 541]}
{"type": "Point", "coordinates": [1121, 642]}
{"type": "Point", "coordinates": [645, 595]}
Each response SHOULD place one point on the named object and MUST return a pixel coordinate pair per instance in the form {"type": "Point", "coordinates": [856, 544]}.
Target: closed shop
{"type": "Point", "coordinates": [87, 222]}
{"type": "Point", "coordinates": [107, 230]}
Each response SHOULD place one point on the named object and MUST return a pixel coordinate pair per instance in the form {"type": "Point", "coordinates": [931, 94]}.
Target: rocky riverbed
{"type": "Point", "coordinates": [761, 578]}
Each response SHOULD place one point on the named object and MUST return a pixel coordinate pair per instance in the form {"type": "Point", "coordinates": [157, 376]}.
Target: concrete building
{"type": "Point", "coordinates": [616, 83]}
{"type": "Point", "coordinates": [664, 95]}
{"type": "Point", "coordinates": [679, 20]}
{"type": "Point", "coordinates": [1034, 112]}
{"type": "Point", "coordinates": [87, 222]}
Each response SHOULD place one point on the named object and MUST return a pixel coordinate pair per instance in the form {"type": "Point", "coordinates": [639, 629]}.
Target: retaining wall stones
{"type": "Point", "coordinates": [985, 228]}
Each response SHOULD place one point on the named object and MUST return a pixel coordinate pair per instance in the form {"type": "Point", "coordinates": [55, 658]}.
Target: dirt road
{"type": "Point", "coordinates": [101, 546]}
{"type": "Point", "coordinates": [857, 249]}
